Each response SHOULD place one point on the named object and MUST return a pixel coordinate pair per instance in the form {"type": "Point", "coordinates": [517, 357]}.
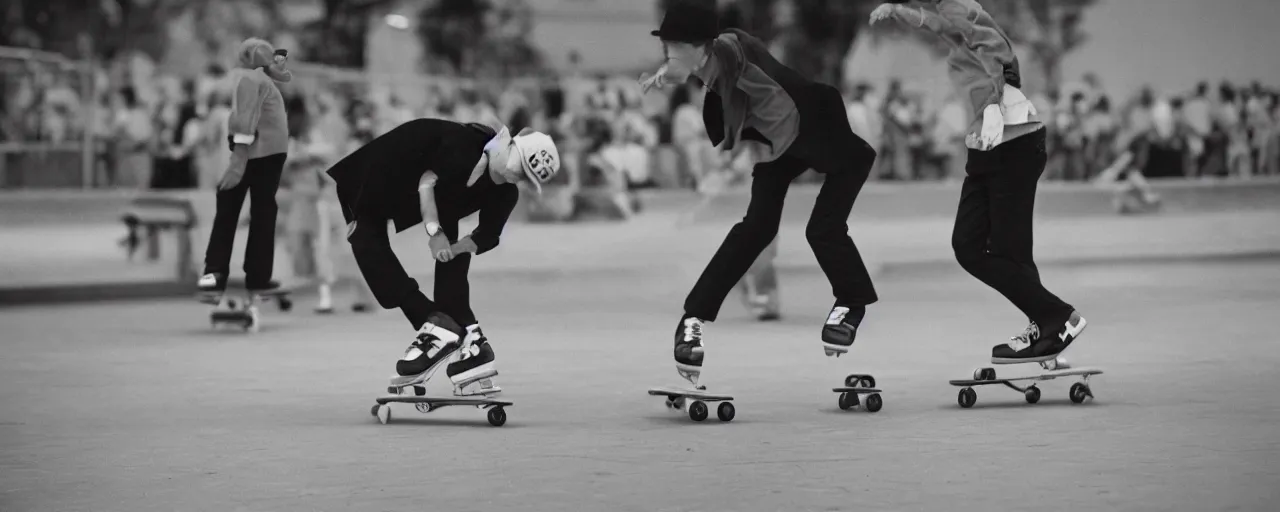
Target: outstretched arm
{"type": "Point", "coordinates": [915, 16]}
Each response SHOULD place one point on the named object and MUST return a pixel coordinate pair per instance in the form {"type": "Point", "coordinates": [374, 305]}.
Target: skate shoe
{"type": "Point", "coordinates": [473, 370]}
{"type": "Point", "coordinates": [437, 340]}
{"type": "Point", "coordinates": [1035, 345]}
{"type": "Point", "coordinates": [211, 286]}
{"type": "Point", "coordinates": [841, 329]}
{"type": "Point", "coordinates": [689, 350]}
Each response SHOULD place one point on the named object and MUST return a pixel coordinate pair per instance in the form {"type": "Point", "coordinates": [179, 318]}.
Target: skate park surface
{"type": "Point", "coordinates": [137, 405]}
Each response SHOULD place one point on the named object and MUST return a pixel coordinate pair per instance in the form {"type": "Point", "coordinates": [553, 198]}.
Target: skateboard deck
{"type": "Point", "coordinates": [985, 376]}
{"type": "Point", "coordinates": [695, 400]}
{"type": "Point", "coordinates": [497, 413]}
{"type": "Point", "coordinates": [856, 385]}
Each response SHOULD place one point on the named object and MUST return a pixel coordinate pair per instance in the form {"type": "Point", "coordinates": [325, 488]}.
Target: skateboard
{"type": "Point", "coordinates": [678, 399]}
{"type": "Point", "coordinates": [497, 414]}
{"type": "Point", "coordinates": [984, 376]}
{"type": "Point", "coordinates": [241, 308]}
{"type": "Point", "coordinates": [855, 385]}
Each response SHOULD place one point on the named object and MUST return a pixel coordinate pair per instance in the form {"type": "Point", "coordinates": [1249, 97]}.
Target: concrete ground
{"type": "Point", "coordinates": [138, 406]}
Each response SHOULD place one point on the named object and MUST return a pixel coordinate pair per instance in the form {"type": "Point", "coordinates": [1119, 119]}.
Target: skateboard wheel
{"type": "Point", "coordinates": [374, 411]}
{"type": "Point", "coordinates": [726, 411]}
{"type": "Point", "coordinates": [848, 400]}
{"type": "Point", "coordinates": [967, 397]}
{"type": "Point", "coordinates": [1079, 392]}
{"type": "Point", "coordinates": [698, 411]}
{"type": "Point", "coordinates": [1032, 394]}
{"type": "Point", "coordinates": [497, 417]}
{"type": "Point", "coordinates": [984, 374]}
{"type": "Point", "coordinates": [419, 391]}
{"type": "Point", "coordinates": [422, 407]}
{"type": "Point", "coordinates": [285, 304]}
{"type": "Point", "coordinates": [384, 414]}
{"type": "Point", "coordinates": [874, 402]}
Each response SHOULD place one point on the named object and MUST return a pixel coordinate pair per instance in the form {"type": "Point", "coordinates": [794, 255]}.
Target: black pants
{"type": "Point", "coordinates": [992, 235]}
{"type": "Point", "coordinates": [846, 167]}
{"type": "Point", "coordinates": [392, 286]}
{"type": "Point", "coordinates": [261, 181]}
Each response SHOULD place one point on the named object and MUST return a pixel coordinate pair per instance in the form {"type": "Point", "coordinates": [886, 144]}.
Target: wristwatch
{"type": "Point", "coordinates": [433, 228]}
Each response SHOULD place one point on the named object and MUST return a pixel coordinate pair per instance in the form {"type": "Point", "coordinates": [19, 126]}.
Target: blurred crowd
{"type": "Point", "coordinates": [1225, 131]}
{"type": "Point", "coordinates": [171, 133]}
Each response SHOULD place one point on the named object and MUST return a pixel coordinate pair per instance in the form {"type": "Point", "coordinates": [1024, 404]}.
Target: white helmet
{"type": "Point", "coordinates": [538, 156]}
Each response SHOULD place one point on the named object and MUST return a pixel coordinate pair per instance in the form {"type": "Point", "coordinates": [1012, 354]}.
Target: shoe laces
{"type": "Point", "coordinates": [1028, 335]}
{"type": "Point", "coordinates": [426, 342]}
{"type": "Point", "coordinates": [837, 315]}
{"type": "Point", "coordinates": [693, 331]}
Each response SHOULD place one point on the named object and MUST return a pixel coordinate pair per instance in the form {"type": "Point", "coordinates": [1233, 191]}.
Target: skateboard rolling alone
{"type": "Point", "coordinates": [856, 385]}
{"type": "Point", "coordinates": [241, 307]}
{"type": "Point", "coordinates": [1054, 369]}
{"type": "Point", "coordinates": [695, 401]}
{"type": "Point", "coordinates": [497, 414]}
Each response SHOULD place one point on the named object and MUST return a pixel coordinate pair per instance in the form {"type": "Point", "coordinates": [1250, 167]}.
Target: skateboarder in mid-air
{"type": "Point", "coordinates": [437, 172]}
{"type": "Point", "coordinates": [259, 139]}
{"type": "Point", "coordinates": [1006, 141]}
{"type": "Point", "coordinates": [790, 124]}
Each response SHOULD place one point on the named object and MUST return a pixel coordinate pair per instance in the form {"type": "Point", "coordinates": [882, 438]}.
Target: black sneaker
{"type": "Point", "coordinates": [474, 364]}
{"type": "Point", "coordinates": [1035, 345]}
{"type": "Point", "coordinates": [1057, 341]}
{"type": "Point", "coordinates": [841, 329]}
{"type": "Point", "coordinates": [434, 344]}
{"type": "Point", "coordinates": [1018, 349]}
{"type": "Point", "coordinates": [689, 351]}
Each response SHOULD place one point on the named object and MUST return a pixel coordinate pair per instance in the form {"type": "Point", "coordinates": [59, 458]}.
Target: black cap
{"type": "Point", "coordinates": [689, 21]}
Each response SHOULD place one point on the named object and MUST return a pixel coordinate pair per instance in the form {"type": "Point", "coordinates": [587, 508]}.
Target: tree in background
{"type": "Point", "coordinates": [815, 36]}
{"type": "Point", "coordinates": [105, 28]}
{"type": "Point", "coordinates": [1047, 30]}
{"type": "Point", "coordinates": [339, 36]}
{"type": "Point", "coordinates": [479, 38]}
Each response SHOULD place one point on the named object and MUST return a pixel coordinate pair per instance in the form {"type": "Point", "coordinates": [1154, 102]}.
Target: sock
{"type": "Point", "coordinates": [417, 307]}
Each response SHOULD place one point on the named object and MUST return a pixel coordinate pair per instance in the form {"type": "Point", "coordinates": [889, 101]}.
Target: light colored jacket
{"type": "Point", "coordinates": [258, 115]}
{"type": "Point", "coordinates": [981, 64]}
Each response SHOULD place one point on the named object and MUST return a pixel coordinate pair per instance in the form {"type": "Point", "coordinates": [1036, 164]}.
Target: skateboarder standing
{"type": "Point", "coordinates": [437, 172]}
{"type": "Point", "coordinates": [1006, 141]}
{"type": "Point", "coordinates": [259, 139]}
{"type": "Point", "coordinates": [790, 124]}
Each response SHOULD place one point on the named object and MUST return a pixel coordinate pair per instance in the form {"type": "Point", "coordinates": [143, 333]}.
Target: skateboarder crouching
{"type": "Point", "coordinates": [790, 124]}
{"type": "Point", "coordinates": [1006, 141]}
{"type": "Point", "coordinates": [259, 139]}
{"type": "Point", "coordinates": [437, 172]}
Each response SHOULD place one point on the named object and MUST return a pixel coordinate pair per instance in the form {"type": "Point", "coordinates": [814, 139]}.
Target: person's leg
{"type": "Point", "coordinates": [1011, 200]}
{"type": "Point", "coordinates": [845, 173]}
{"type": "Point", "coordinates": [263, 175]}
{"type": "Point", "coordinates": [759, 286]}
{"type": "Point", "coordinates": [222, 237]}
{"type": "Point", "coordinates": [739, 250]}
{"type": "Point", "coordinates": [746, 239]}
{"type": "Point", "coordinates": [437, 335]}
{"type": "Point", "coordinates": [322, 255]}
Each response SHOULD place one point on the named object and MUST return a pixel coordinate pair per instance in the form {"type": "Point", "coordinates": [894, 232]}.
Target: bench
{"type": "Point", "coordinates": [155, 214]}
